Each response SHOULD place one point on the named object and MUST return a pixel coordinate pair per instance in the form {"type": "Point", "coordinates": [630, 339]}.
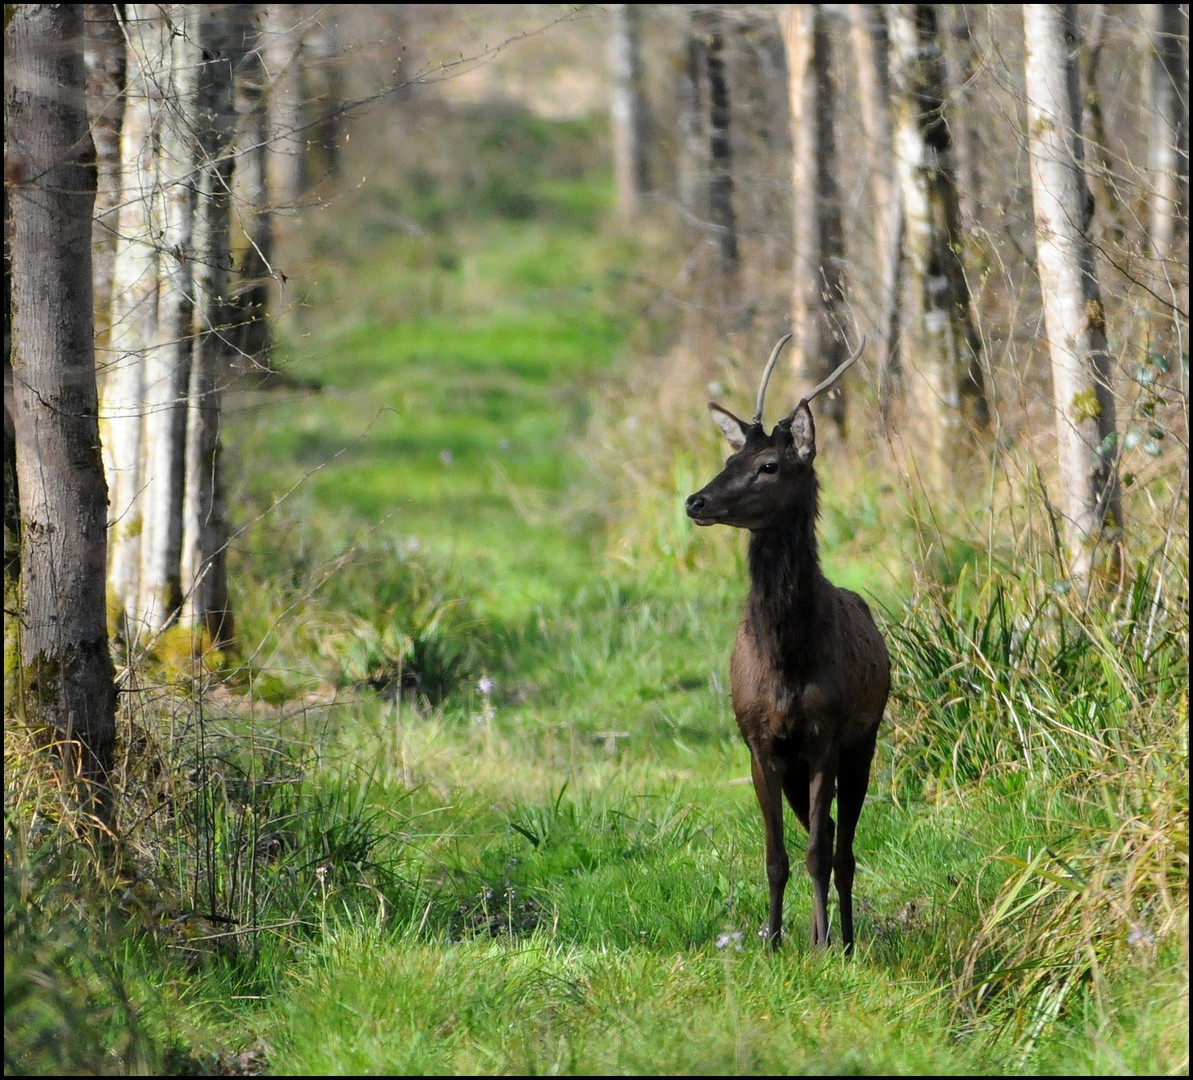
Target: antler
{"type": "Point", "coordinates": [770, 366]}
{"type": "Point", "coordinates": [823, 386]}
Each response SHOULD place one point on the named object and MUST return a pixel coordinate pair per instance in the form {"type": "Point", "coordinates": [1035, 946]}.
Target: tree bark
{"type": "Point", "coordinates": [868, 37]}
{"type": "Point", "coordinates": [1073, 314]}
{"type": "Point", "coordinates": [693, 152]}
{"type": "Point", "coordinates": [152, 319]}
{"type": "Point", "coordinates": [105, 58]}
{"type": "Point", "coordinates": [818, 298]}
{"type": "Point", "coordinates": [253, 225]}
{"type": "Point", "coordinates": [1169, 137]}
{"type": "Point", "coordinates": [946, 377]}
{"type": "Point", "coordinates": [1101, 172]}
{"type": "Point", "coordinates": [628, 110]}
{"type": "Point", "coordinates": [68, 683]}
{"type": "Point", "coordinates": [720, 183]}
{"type": "Point", "coordinates": [174, 328]}
{"type": "Point", "coordinates": [203, 564]}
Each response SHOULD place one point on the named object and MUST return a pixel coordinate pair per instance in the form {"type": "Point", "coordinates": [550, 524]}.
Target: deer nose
{"type": "Point", "coordinates": [695, 503]}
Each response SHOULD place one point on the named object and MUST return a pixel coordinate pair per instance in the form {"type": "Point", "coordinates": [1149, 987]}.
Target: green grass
{"type": "Point", "coordinates": [474, 800]}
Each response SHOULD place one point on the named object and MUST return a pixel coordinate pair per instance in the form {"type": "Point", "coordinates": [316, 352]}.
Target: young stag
{"type": "Point", "coordinates": [810, 672]}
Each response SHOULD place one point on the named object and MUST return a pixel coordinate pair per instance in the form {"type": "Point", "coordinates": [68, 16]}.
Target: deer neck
{"type": "Point", "coordinates": [786, 586]}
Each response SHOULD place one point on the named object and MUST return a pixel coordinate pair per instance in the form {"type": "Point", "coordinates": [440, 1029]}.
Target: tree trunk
{"type": "Point", "coordinates": [1073, 314]}
{"type": "Point", "coordinates": [959, 110]}
{"type": "Point", "coordinates": [693, 150]}
{"type": "Point", "coordinates": [322, 95]}
{"type": "Point", "coordinates": [1169, 137]}
{"type": "Point", "coordinates": [1102, 175]}
{"type": "Point", "coordinates": [68, 683]}
{"type": "Point", "coordinates": [870, 50]}
{"type": "Point", "coordinates": [946, 376]}
{"type": "Point", "coordinates": [105, 57]}
{"type": "Point", "coordinates": [152, 319]}
{"type": "Point", "coordinates": [720, 183]}
{"type": "Point", "coordinates": [253, 228]}
{"type": "Point", "coordinates": [287, 177]}
{"type": "Point", "coordinates": [203, 567]}
{"type": "Point", "coordinates": [628, 111]}
{"type": "Point", "coordinates": [818, 299]}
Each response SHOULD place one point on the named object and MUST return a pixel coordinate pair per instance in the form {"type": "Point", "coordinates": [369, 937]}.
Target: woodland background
{"type": "Point", "coordinates": [365, 683]}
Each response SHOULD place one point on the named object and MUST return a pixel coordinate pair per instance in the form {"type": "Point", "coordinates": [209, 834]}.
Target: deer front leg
{"type": "Point", "coordinates": [768, 787]}
{"type": "Point", "coordinates": [819, 858]}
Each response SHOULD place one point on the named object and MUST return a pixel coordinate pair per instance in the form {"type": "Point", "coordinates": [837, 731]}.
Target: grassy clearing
{"type": "Point", "coordinates": [473, 799]}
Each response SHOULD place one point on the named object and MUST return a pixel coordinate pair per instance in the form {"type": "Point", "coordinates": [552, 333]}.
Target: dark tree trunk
{"type": "Point", "coordinates": [67, 679]}
{"type": "Point", "coordinates": [720, 183]}
{"type": "Point", "coordinates": [203, 567]}
{"type": "Point", "coordinates": [1169, 139]}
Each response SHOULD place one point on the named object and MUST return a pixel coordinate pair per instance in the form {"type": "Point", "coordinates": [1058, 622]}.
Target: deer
{"type": "Point", "coordinates": [809, 672]}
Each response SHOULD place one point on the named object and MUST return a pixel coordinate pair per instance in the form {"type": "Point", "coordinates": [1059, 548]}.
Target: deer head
{"type": "Point", "coordinates": [768, 476]}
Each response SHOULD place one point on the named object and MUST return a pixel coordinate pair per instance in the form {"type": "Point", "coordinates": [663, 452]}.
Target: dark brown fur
{"type": "Point", "coordinates": [810, 673]}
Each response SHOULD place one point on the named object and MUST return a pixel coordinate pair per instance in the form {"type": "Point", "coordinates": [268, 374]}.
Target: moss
{"type": "Point", "coordinates": [1085, 406]}
{"type": "Point", "coordinates": [1095, 315]}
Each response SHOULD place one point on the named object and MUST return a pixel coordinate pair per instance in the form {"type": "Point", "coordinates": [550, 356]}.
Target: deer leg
{"type": "Point", "coordinates": [852, 782]}
{"type": "Point", "coordinates": [819, 858]}
{"type": "Point", "coordinates": [768, 788]}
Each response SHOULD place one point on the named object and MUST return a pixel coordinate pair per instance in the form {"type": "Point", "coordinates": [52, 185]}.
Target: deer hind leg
{"type": "Point", "coordinates": [768, 788]}
{"type": "Point", "coordinates": [819, 858]}
{"type": "Point", "coordinates": [852, 782]}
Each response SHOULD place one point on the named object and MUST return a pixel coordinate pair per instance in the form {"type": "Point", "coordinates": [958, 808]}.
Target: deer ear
{"type": "Point", "coordinates": [734, 429]}
{"type": "Point", "coordinates": [803, 432]}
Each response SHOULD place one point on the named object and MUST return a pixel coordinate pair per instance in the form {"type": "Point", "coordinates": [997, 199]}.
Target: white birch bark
{"type": "Point", "coordinates": [1073, 314]}
{"type": "Point", "coordinates": [627, 109]}
{"type": "Point", "coordinates": [943, 363]}
{"type": "Point", "coordinates": [167, 361]}
{"type": "Point", "coordinates": [144, 421]}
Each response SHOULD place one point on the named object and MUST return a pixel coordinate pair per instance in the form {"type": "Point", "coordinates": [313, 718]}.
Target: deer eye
{"type": "Point", "coordinates": [769, 467]}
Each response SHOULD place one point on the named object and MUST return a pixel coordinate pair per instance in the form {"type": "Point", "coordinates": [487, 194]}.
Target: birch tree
{"type": "Point", "coordinates": [868, 38]}
{"type": "Point", "coordinates": [1168, 144]}
{"type": "Point", "coordinates": [171, 324]}
{"type": "Point", "coordinates": [1073, 314]}
{"type": "Point", "coordinates": [818, 298]}
{"type": "Point", "coordinates": [151, 315]}
{"type": "Point", "coordinates": [67, 680]}
{"type": "Point", "coordinates": [627, 109]}
{"type": "Point", "coordinates": [252, 240]}
{"type": "Point", "coordinates": [943, 366]}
